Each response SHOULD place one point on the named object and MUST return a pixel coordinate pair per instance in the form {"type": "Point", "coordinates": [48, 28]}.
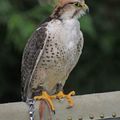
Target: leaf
{"type": "Point", "coordinates": [19, 29]}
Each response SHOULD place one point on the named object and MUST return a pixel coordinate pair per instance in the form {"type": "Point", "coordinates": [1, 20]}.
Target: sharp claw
{"type": "Point", "coordinates": [61, 95]}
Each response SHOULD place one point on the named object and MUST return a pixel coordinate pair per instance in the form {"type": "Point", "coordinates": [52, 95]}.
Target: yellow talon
{"type": "Point", "coordinates": [46, 97]}
{"type": "Point", "coordinates": [61, 95]}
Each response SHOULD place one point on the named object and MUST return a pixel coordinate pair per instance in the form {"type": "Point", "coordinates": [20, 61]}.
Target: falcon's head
{"type": "Point", "coordinates": [67, 9]}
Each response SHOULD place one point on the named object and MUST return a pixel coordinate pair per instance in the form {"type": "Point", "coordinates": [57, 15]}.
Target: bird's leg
{"type": "Point", "coordinates": [45, 96]}
{"type": "Point", "coordinates": [61, 94]}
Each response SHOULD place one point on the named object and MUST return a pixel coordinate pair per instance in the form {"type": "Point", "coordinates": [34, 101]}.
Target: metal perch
{"type": "Point", "coordinates": [105, 106]}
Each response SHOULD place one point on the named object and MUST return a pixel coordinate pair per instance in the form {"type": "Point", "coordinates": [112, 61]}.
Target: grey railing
{"type": "Point", "coordinates": [103, 106]}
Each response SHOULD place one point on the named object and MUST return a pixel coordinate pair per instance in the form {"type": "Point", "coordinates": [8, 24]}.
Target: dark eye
{"type": "Point", "coordinates": [77, 4]}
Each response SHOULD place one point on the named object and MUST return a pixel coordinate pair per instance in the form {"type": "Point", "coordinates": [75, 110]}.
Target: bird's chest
{"type": "Point", "coordinates": [64, 45]}
{"type": "Point", "coordinates": [72, 40]}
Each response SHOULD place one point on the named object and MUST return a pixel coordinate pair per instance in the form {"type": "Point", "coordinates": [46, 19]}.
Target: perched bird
{"type": "Point", "coordinates": [52, 52]}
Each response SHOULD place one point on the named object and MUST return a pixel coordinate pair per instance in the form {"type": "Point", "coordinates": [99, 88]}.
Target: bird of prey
{"type": "Point", "coordinates": [52, 52]}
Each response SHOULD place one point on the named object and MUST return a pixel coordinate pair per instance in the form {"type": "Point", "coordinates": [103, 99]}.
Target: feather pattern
{"type": "Point", "coordinates": [31, 52]}
{"type": "Point", "coordinates": [53, 50]}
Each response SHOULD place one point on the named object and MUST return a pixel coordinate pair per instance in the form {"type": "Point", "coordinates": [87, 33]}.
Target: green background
{"type": "Point", "coordinates": [98, 69]}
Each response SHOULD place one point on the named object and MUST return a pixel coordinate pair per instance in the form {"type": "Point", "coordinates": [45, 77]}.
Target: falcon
{"type": "Point", "coordinates": [52, 52]}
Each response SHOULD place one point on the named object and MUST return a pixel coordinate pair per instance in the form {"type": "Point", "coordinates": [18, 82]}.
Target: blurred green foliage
{"type": "Point", "coordinates": [98, 70]}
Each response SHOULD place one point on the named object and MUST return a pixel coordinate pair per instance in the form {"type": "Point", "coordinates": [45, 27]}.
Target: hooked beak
{"type": "Point", "coordinates": [85, 7]}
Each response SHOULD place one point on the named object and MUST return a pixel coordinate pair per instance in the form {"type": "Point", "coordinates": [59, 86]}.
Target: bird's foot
{"type": "Point", "coordinates": [47, 98]}
{"type": "Point", "coordinates": [61, 95]}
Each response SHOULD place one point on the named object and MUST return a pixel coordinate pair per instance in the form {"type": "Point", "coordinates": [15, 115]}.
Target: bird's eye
{"type": "Point", "coordinates": [77, 4]}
